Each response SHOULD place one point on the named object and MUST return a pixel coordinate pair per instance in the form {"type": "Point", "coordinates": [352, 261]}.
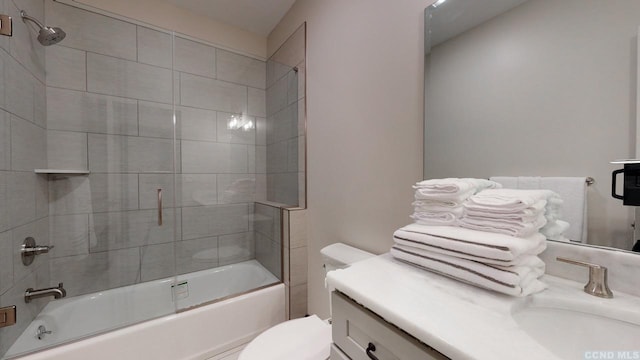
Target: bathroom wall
{"type": "Point", "coordinates": [561, 97]}
{"type": "Point", "coordinates": [109, 109]}
{"type": "Point", "coordinates": [364, 122]}
{"type": "Point", "coordinates": [23, 194]}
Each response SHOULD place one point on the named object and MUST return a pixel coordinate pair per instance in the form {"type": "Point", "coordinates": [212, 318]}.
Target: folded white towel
{"type": "Point", "coordinates": [437, 205]}
{"type": "Point", "coordinates": [530, 214]}
{"type": "Point", "coordinates": [463, 255]}
{"type": "Point", "coordinates": [470, 244]}
{"type": "Point", "coordinates": [510, 227]}
{"type": "Point", "coordinates": [435, 218]}
{"type": "Point", "coordinates": [511, 275]}
{"type": "Point", "coordinates": [448, 185]}
{"type": "Point", "coordinates": [528, 182]}
{"type": "Point", "coordinates": [451, 188]}
{"type": "Point", "coordinates": [458, 184]}
{"type": "Point", "coordinates": [573, 191]}
{"type": "Point", "coordinates": [516, 281]}
{"type": "Point", "coordinates": [508, 200]}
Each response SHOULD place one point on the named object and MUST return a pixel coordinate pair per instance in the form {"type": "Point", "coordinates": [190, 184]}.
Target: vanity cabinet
{"type": "Point", "coordinates": [357, 332]}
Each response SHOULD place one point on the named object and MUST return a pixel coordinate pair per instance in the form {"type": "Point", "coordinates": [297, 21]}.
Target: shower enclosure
{"type": "Point", "coordinates": [145, 160]}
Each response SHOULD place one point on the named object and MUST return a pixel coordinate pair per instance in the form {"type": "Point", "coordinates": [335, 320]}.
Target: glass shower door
{"type": "Point", "coordinates": [219, 113]}
{"type": "Point", "coordinates": [108, 118]}
{"type": "Point", "coordinates": [122, 116]}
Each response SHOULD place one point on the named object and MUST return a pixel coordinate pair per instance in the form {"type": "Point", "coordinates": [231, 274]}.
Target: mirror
{"type": "Point", "coordinates": [535, 88]}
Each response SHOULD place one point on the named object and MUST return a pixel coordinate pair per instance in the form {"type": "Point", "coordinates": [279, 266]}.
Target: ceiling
{"type": "Point", "coordinates": [256, 16]}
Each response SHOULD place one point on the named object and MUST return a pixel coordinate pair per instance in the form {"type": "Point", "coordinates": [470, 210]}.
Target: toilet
{"type": "Point", "coordinates": [306, 338]}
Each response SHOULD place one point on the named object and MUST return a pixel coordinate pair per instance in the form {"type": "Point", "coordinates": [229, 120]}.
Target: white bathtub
{"type": "Point", "coordinates": [195, 334]}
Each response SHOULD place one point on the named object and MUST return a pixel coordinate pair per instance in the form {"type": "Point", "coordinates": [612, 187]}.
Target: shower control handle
{"type": "Point", "coordinates": [29, 250]}
{"type": "Point", "coordinates": [37, 250]}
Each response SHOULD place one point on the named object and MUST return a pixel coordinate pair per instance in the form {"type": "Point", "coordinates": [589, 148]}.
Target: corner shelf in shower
{"type": "Point", "coordinates": [61, 172]}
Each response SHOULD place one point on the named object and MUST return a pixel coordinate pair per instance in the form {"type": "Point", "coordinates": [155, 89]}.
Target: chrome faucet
{"type": "Point", "coordinates": [597, 285]}
{"type": "Point", "coordinates": [57, 293]}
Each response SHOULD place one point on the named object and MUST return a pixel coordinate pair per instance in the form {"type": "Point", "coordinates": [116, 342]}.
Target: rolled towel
{"type": "Point", "coordinates": [470, 244]}
{"type": "Point", "coordinates": [509, 227]}
{"type": "Point", "coordinates": [515, 281]}
{"type": "Point", "coordinates": [508, 200]}
{"type": "Point", "coordinates": [451, 188]}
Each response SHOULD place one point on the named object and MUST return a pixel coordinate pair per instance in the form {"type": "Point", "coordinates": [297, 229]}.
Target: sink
{"type": "Point", "coordinates": [575, 325]}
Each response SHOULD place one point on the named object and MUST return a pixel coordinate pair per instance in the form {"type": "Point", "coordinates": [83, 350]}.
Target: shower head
{"type": "Point", "coordinates": [51, 35]}
{"type": "Point", "coordinates": [47, 35]}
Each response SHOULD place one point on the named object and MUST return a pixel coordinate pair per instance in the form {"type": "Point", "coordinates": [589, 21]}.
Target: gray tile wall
{"type": "Point", "coordinates": [23, 148]}
{"type": "Point", "coordinates": [110, 93]}
{"type": "Point", "coordinates": [267, 220]}
{"type": "Point", "coordinates": [284, 133]}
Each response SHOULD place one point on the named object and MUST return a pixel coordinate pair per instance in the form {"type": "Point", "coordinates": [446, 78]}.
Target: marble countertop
{"type": "Point", "coordinates": [459, 320]}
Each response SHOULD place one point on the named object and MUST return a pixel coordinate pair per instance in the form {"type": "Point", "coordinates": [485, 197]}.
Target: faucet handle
{"type": "Point", "coordinates": [598, 279]}
{"type": "Point", "coordinates": [29, 250]}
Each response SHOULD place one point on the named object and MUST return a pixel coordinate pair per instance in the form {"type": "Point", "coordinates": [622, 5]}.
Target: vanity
{"type": "Point", "coordinates": [408, 313]}
{"type": "Point", "coordinates": [359, 333]}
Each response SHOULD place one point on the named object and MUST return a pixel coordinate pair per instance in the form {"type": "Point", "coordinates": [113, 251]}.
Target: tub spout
{"type": "Point", "coordinates": [57, 293]}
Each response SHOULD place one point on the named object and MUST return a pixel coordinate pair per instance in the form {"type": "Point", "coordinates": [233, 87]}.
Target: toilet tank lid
{"type": "Point", "coordinates": [343, 254]}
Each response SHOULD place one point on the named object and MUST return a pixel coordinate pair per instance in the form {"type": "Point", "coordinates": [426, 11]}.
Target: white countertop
{"type": "Point", "coordinates": [459, 320]}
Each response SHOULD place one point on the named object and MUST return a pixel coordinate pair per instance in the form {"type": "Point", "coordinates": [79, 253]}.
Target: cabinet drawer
{"type": "Point", "coordinates": [354, 328]}
{"type": "Point", "coordinates": [337, 354]}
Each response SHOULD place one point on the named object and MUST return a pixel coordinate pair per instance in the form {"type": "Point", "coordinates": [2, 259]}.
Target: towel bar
{"type": "Point", "coordinates": [589, 180]}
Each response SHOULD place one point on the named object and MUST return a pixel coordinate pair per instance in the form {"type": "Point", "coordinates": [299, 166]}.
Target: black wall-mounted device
{"type": "Point", "coordinates": [631, 189]}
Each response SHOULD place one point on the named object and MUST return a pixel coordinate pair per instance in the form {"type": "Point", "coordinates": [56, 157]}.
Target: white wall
{"type": "Point", "coordinates": [364, 121]}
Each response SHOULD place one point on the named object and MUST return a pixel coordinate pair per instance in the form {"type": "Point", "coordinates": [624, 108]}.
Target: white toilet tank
{"type": "Point", "coordinates": [339, 255]}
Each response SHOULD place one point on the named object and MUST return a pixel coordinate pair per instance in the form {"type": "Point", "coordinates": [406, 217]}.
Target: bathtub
{"type": "Point", "coordinates": [199, 333]}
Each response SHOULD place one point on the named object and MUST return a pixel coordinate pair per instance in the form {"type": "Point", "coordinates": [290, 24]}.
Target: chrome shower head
{"type": "Point", "coordinates": [51, 35]}
{"type": "Point", "coordinates": [47, 35]}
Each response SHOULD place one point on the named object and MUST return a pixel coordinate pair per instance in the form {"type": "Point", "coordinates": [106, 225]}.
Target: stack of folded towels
{"type": "Point", "coordinates": [440, 201]}
{"type": "Point", "coordinates": [519, 213]}
{"type": "Point", "coordinates": [492, 240]}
